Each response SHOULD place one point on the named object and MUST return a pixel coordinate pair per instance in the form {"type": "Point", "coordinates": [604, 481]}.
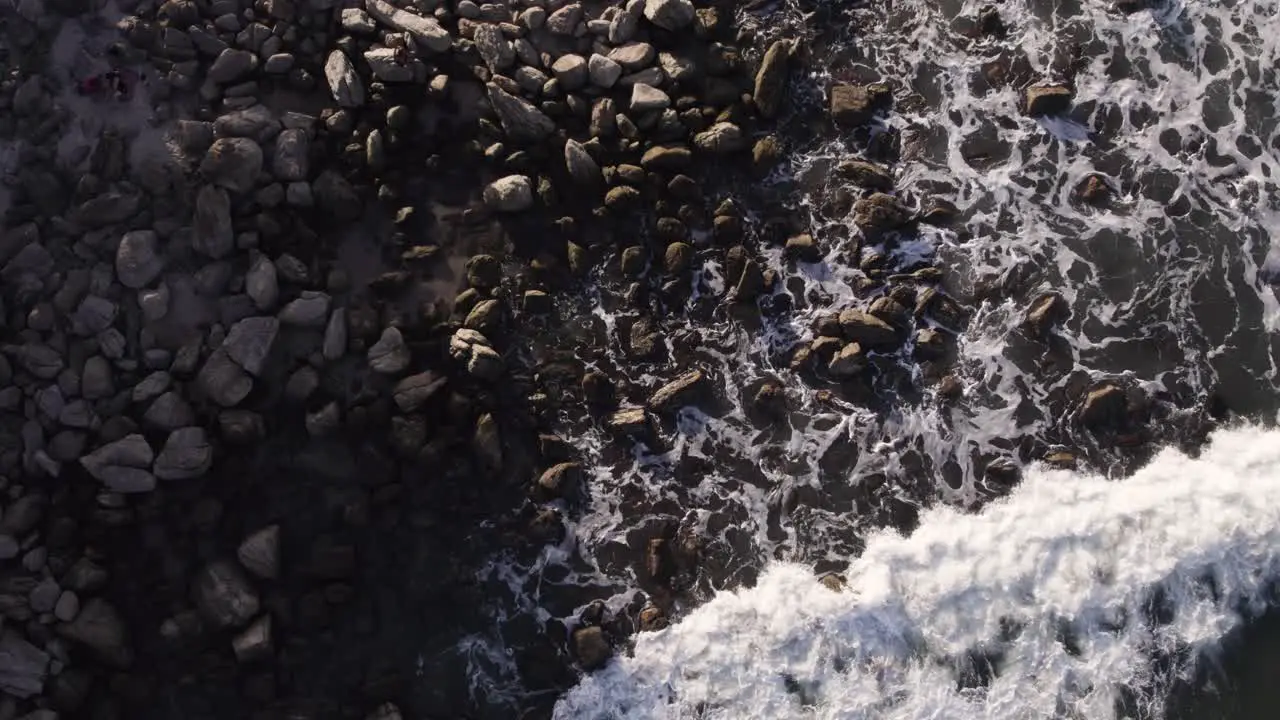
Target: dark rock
{"type": "Point", "coordinates": [581, 166]}
{"type": "Point", "coordinates": [681, 391]}
{"type": "Point", "coordinates": [415, 391]}
{"type": "Point", "coordinates": [259, 553]}
{"type": "Point", "coordinates": [426, 31]}
{"type": "Point", "coordinates": [23, 666]}
{"type": "Point", "coordinates": [389, 355]}
{"type": "Point", "coordinates": [803, 248]}
{"type": "Point", "coordinates": [98, 626]}
{"type": "Point", "coordinates": [521, 121]}
{"type": "Point", "coordinates": [667, 158]}
{"type": "Point", "coordinates": [930, 344]}
{"type": "Point", "coordinates": [138, 260]}
{"type": "Point", "coordinates": [880, 213]}
{"type": "Point", "coordinates": [255, 642]}
{"type": "Point", "coordinates": [590, 645]}
{"type": "Point", "coordinates": [865, 174]}
{"type": "Point", "coordinates": [1104, 407]}
{"type": "Point", "coordinates": [868, 330]}
{"type": "Point", "coordinates": [486, 442]}
{"type": "Point", "coordinates": [771, 79]}
{"type": "Point", "coordinates": [1047, 100]}
{"type": "Point", "coordinates": [847, 362]}
{"type": "Point", "coordinates": [186, 454]}
{"type": "Point", "coordinates": [562, 480]}
{"type": "Point", "coordinates": [232, 65]}
{"type": "Point", "coordinates": [233, 163]}
{"type": "Point", "coordinates": [633, 422]}
{"type": "Point", "coordinates": [1046, 311]}
{"type": "Point", "coordinates": [224, 596]}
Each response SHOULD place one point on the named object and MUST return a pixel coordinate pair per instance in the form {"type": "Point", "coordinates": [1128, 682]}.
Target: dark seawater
{"type": "Point", "coordinates": [1169, 284]}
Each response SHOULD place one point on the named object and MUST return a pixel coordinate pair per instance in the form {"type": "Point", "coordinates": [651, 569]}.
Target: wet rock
{"type": "Point", "coordinates": [138, 260]}
{"type": "Point", "coordinates": [879, 213]}
{"type": "Point", "coordinates": [1104, 407]}
{"type": "Point", "coordinates": [233, 163]}
{"type": "Point", "coordinates": [847, 362]}
{"type": "Point", "coordinates": [633, 422]}
{"type": "Point", "coordinates": [389, 355]}
{"type": "Point", "coordinates": [23, 666]}
{"type": "Point", "coordinates": [1094, 190]}
{"type": "Point", "coordinates": [486, 316]}
{"type": "Point", "coordinates": [98, 626]}
{"type": "Point", "coordinates": [681, 391]}
{"type": "Point", "coordinates": [853, 105]}
{"type": "Point", "coordinates": [187, 454]}
{"type": "Point", "coordinates": [771, 79]}
{"type": "Point", "coordinates": [521, 121]}
{"type": "Point", "coordinates": [254, 643]}
{"type": "Point", "coordinates": [865, 174]}
{"type": "Point", "coordinates": [591, 647]}
{"type": "Point", "coordinates": [930, 344]}
{"type": "Point", "coordinates": [473, 350]}
{"type": "Point", "coordinates": [750, 282]}
{"type": "Point", "coordinates": [868, 330]}
{"type": "Point", "coordinates": [678, 259]}
{"type": "Point", "coordinates": [1047, 100]}
{"type": "Point", "coordinates": [560, 481]}
{"type": "Point", "coordinates": [803, 248]}
{"type": "Point", "coordinates": [232, 65]}
{"type": "Point", "coordinates": [670, 15]}
{"type": "Point", "coordinates": [224, 595]}
{"type": "Point", "coordinates": [259, 553]}
{"type": "Point", "coordinates": [426, 32]}
{"type": "Point", "coordinates": [513, 193]}
{"type": "Point", "coordinates": [1045, 313]}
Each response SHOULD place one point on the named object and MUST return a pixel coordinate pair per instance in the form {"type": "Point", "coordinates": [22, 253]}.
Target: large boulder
{"type": "Point", "coordinates": [344, 83]}
{"type": "Point", "coordinates": [670, 14]}
{"type": "Point", "coordinates": [233, 163]}
{"type": "Point", "coordinates": [521, 121]}
{"type": "Point", "coordinates": [771, 79]}
{"type": "Point", "coordinates": [512, 193]}
{"type": "Point", "coordinates": [427, 32]}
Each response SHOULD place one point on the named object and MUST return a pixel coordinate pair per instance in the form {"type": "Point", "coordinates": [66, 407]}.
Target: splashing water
{"type": "Point", "coordinates": [1049, 603]}
{"type": "Point", "coordinates": [1039, 606]}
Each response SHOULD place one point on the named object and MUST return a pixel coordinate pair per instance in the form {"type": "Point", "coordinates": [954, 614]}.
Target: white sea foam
{"type": "Point", "coordinates": [1056, 582]}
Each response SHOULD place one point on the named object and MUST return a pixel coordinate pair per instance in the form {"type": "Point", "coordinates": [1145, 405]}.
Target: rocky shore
{"type": "Point", "coordinates": [287, 335]}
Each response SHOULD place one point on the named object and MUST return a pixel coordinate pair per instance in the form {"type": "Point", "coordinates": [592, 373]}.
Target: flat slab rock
{"type": "Point", "coordinates": [679, 392]}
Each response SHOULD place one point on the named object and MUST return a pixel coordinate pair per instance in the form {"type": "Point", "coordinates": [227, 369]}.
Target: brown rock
{"type": "Point", "coordinates": [591, 648]}
{"type": "Point", "coordinates": [560, 480]}
{"type": "Point", "coordinates": [681, 391]}
{"type": "Point", "coordinates": [1045, 312]}
{"type": "Point", "coordinates": [868, 330]}
{"type": "Point", "coordinates": [853, 105]}
{"type": "Point", "coordinates": [1047, 100]}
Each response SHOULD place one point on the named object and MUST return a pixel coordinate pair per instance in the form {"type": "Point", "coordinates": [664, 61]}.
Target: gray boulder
{"type": "Point", "coordinates": [512, 193]}
{"type": "Point", "coordinates": [427, 32]}
{"type": "Point", "coordinates": [186, 454]}
{"type": "Point", "coordinates": [138, 259]}
{"type": "Point", "coordinates": [521, 121]}
{"type": "Point", "coordinates": [213, 234]}
{"type": "Point", "coordinates": [233, 163]}
{"type": "Point", "coordinates": [344, 83]}
{"type": "Point", "coordinates": [669, 14]}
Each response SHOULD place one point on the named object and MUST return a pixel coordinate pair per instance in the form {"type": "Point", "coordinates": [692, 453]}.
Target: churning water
{"type": "Point", "coordinates": [1077, 595]}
